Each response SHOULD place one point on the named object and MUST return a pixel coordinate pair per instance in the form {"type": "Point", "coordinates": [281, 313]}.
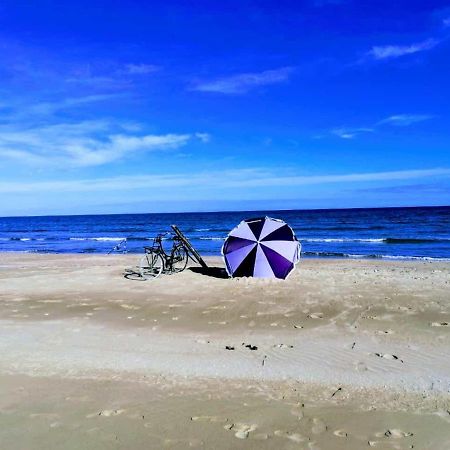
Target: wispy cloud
{"type": "Point", "coordinates": [71, 102]}
{"type": "Point", "coordinates": [244, 82]}
{"type": "Point", "coordinates": [89, 143]}
{"type": "Point", "coordinates": [350, 133]}
{"type": "Point", "coordinates": [382, 52]}
{"type": "Point", "coordinates": [407, 188]}
{"type": "Point", "coordinates": [204, 137]}
{"type": "Point", "coordinates": [240, 178]}
{"type": "Point", "coordinates": [404, 120]}
{"type": "Point", "coordinates": [398, 120]}
{"type": "Point", "coordinates": [139, 69]}
{"type": "Point", "coordinates": [446, 22]}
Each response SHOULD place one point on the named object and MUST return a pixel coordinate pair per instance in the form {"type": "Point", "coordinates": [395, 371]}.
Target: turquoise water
{"type": "Point", "coordinates": [392, 233]}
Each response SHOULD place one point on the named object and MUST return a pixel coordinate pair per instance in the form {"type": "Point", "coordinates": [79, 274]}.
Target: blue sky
{"type": "Point", "coordinates": [111, 107]}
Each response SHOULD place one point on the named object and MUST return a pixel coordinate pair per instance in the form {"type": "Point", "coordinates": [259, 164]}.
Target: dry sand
{"type": "Point", "coordinates": [345, 354]}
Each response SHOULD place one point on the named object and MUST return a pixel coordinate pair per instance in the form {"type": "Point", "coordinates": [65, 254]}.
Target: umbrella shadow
{"type": "Point", "coordinates": [214, 272]}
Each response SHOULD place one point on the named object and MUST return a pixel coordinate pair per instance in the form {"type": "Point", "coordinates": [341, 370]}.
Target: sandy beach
{"type": "Point", "coordinates": [345, 354]}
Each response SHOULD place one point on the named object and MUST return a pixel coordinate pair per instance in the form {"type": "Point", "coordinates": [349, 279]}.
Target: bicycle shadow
{"type": "Point", "coordinates": [214, 272]}
{"type": "Point", "coordinates": [133, 275]}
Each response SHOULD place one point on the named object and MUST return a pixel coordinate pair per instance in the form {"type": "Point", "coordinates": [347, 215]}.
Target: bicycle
{"type": "Point", "coordinates": [156, 261]}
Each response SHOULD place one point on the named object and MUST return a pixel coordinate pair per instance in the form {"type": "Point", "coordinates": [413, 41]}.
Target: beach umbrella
{"type": "Point", "coordinates": [262, 247]}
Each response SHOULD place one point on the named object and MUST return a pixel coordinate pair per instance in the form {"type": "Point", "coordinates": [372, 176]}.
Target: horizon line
{"type": "Point", "coordinates": [227, 211]}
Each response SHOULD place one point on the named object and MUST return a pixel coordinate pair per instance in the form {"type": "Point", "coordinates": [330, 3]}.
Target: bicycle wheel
{"type": "Point", "coordinates": [151, 265]}
{"type": "Point", "coordinates": [179, 259]}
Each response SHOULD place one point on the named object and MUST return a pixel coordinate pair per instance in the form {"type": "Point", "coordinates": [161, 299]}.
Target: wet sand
{"type": "Point", "coordinates": [344, 354]}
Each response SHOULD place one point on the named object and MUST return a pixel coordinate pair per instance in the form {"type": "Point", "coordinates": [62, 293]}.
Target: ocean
{"type": "Point", "coordinates": [390, 233]}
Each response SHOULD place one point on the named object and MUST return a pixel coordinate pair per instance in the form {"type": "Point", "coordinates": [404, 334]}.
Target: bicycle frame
{"type": "Point", "coordinates": [158, 248]}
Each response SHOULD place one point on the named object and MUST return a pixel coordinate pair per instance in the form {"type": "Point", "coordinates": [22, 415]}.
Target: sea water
{"type": "Point", "coordinates": [391, 233]}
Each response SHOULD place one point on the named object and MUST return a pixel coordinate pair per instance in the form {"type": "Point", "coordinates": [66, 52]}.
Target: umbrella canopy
{"type": "Point", "coordinates": [262, 247]}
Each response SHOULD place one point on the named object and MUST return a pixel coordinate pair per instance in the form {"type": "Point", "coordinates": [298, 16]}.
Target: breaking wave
{"type": "Point", "coordinates": [371, 256]}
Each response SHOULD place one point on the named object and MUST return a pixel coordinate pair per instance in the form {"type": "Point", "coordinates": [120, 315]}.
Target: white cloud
{"type": "Point", "coordinates": [204, 137]}
{"type": "Point", "coordinates": [139, 69]}
{"type": "Point", "coordinates": [394, 51]}
{"type": "Point", "coordinates": [99, 82]}
{"type": "Point", "coordinates": [89, 143]}
{"type": "Point", "coordinates": [241, 178]}
{"type": "Point", "coordinates": [399, 120]}
{"type": "Point", "coordinates": [350, 133]}
{"type": "Point", "coordinates": [403, 120]}
{"type": "Point", "coordinates": [51, 107]}
{"type": "Point", "coordinates": [242, 83]}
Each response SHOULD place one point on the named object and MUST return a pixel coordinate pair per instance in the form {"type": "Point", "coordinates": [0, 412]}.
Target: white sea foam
{"type": "Point", "coordinates": [97, 239]}
{"type": "Point", "coordinates": [212, 239]}
{"type": "Point", "coordinates": [420, 258]}
{"type": "Point", "coordinates": [381, 240]}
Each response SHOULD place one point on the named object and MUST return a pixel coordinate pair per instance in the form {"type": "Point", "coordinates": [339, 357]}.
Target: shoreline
{"type": "Point", "coordinates": [215, 257]}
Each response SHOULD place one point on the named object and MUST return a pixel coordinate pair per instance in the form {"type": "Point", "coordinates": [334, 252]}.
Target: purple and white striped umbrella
{"type": "Point", "coordinates": [263, 247]}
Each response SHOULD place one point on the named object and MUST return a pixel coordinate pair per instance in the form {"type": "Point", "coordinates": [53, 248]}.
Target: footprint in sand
{"type": "Point", "coordinates": [318, 315]}
{"type": "Point", "coordinates": [340, 433]}
{"type": "Point", "coordinates": [106, 413]}
{"type": "Point", "coordinates": [241, 430]}
{"type": "Point", "coordinates": [283, 346]}
{"type": "Point", "coordinates": [440, 324]}
{"type": "Point", "coordinates": [208, 419]}
{"type": "Point", "coordinates": [394, 433]}
{"type": "Point", "coordinates": [295, 437]}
